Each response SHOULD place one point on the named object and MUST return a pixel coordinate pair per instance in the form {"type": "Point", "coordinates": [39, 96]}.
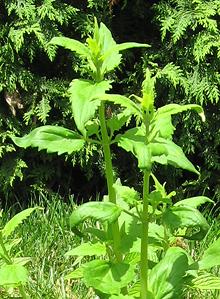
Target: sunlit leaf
{"type": "Point", "coordinates": [13, 223]}
{"type": "Point", "coordinates": [92, 127]}
{"type": "Point", "coordinates": [76, 274]}
{"type": "Point", "coordinates": [162, 126]}
{"type": "Point", "coordinates": [167, 277]}
{"type": "Point", "coordinates": [71, 44]}
{"type": "Point", "coordinates": [128, 45]}
{"type": "Point", "coordinates": [171, 109]}
{"type": "Point", "coordinates": [194, 202]}
{"type": "Point", "coordinates": [128, 194]}
{"type": "Point", "coordinates": [133, 141]}
{"type": "Point", "coordinates": [88, 249]}
{"type": "Point", "coordinates": [54, 139]}
{"type": "Point", "coordinates": [211, 256]}
{"type": "Point", "coordinates": [82, 92]}
{"type": "Point", "coordinates": [117, 121]}
{"type": "Point", "coordinates": [110, 59]}
{"type": "Point", "coordinates": [107, 277]}
{"type": "Point", "coordinates": [148, 91]}
{"type": "Point", "coordinates": [174, 156]}
{"type": "Point", "coordinates": [14, 274]}
{"type": "Point", "coordinates": [158, 149]}
{"type": "Point", "coordinates": [102, 211]}
{"type": "Point", "coordinates": [186, 217]}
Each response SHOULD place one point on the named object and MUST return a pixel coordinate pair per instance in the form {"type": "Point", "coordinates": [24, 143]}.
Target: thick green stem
{"type": "Point", "coordinates": [110, 179]}
{"type": "Point", "coordinates": [145, 219]}
{"type": "Point", "coordinates": [144, 237]}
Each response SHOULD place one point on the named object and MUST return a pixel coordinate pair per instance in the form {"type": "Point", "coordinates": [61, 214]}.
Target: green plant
{"type": "Point", "coordinates": [13, 273]}
{"type": "Point", "coordinates": [133, 234]}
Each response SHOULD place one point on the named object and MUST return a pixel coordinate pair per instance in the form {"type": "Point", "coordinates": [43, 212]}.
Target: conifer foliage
{"type": "Point", "coordinates": [191, 39]}
{"type": "Point", "coordinates": [191, 31]}
{"type": "Point", "coordinates": [27, 95]}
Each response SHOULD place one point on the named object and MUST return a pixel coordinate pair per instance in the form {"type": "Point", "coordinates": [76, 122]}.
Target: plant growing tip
{"type": "Point", "coordinates": [148, 91]}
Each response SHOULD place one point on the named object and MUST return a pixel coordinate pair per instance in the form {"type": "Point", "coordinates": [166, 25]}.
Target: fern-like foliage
{"type": "Point", "coordinates": [190, 38]}
{"type": "Point", "coordinates": [174, 75]}
{"type": "Point", "coordinates": [191, 28]}
{"type": "Point", "coordinates": [27, 97]}
{"type": "Point", "coordinates": [32, 87]}
{"type": "Point", "coordinates": [31, 20]}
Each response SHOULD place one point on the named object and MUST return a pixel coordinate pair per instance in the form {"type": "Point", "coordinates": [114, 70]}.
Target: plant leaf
{"type": "Point", "coordinates": [133, 141]}
{"type": "Point", "coordinates": [82, 92]}
{"type": "Point", "coordinates": [193, 202]}
{"type": "Point", "coordinates": [51, 138]}
{"type": "Point", "coordinates": [108, 277]}
{"type": "Point", "coordinates": [171, 109]}
{"type": "Point", "coordinates": [102, 211]}
{"type": "Point", "coordinates": [13, 223]}
{"type": "Point", "coordinates": [88, 249]}
{"type": "Point", "coordinates": [76, 274]}
{"type": "Point", "coordinates": [71, 44]}
{"type": "Point", "coordinates": [163, 126]}
{"type": "Point", "coordinates": [186, 217]}
{"type": "Point", "coordinates": [128, 45]}
{"type": "Point", "coordinates": [158, 149]}
{"type": "Point", "coordinates": [129, 195]}
{"type": "Point", "coordinates": [166, 278]}
{"type": "Point", "coordinates": [117, 121]}
{"type": "Point", "coordinates": [211, 256]}
{"type": "Point", "coordinates": [14, 274]}
{"type": "Point", "coordinates": [206, 281]}
{"type": "Point", "coordinates": [110, 57]}
{"type": "Point", "coordinates": [123, 101]}
{"type": "Point", "coordinates": [174, 156]}
{"type": "Point", "coordinates": [92, 127]}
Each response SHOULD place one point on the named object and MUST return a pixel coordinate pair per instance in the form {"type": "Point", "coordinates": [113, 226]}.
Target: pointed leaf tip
{"type": "Point", "coordinates": [202, 115]}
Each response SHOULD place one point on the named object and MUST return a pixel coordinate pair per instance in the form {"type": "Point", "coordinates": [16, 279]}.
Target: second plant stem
{"type": "Point", "coordinates": [110, 180]}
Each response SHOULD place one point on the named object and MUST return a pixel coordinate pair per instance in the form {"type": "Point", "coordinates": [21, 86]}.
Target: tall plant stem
{"type": "Point", "coordinates": [110, 179]}
{"type": "Point", "coordinates": [144, 237]}
{"type": "Point", "coordinates": [145, 219]}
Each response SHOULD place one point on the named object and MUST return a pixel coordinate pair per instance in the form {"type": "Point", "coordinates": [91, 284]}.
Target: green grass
{"type": "Point", "coordinates": [46, 237]}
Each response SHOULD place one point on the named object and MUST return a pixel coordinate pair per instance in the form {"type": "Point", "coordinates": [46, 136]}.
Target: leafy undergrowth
{"type": "Point", "coordinates": [197, 249]}
{"type": "Point", "coordinates": [46, 238]}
